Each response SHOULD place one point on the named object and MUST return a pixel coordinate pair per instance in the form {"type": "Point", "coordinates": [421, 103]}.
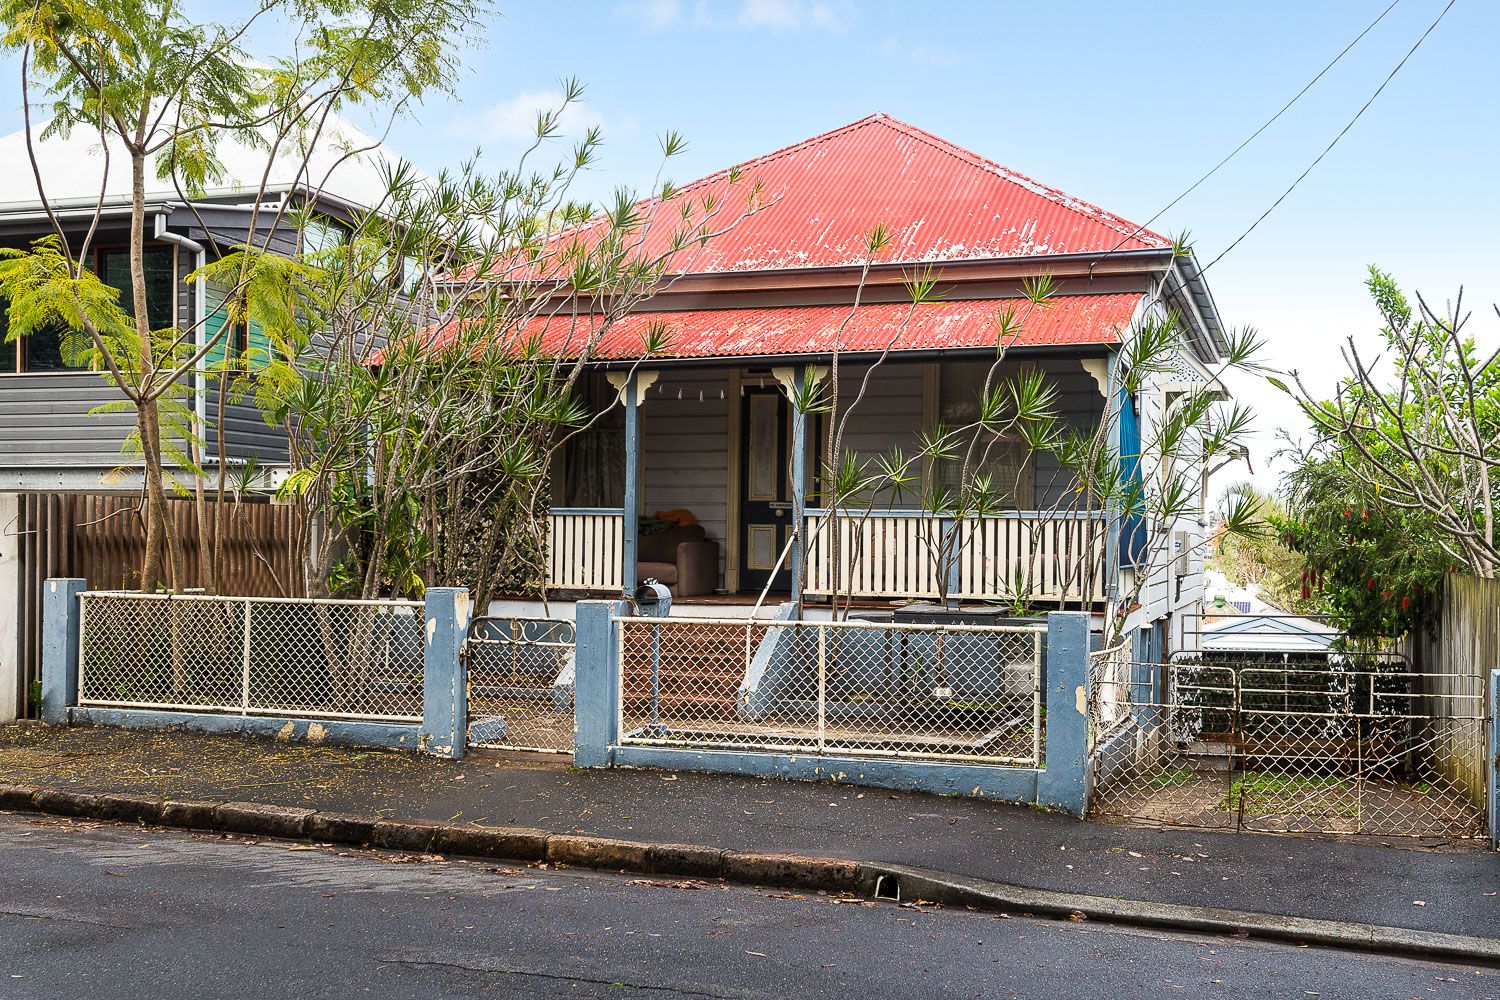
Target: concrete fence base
{"type": "Point", "coordinates": [442, 731]}
{"type": "Point", "coordinates": [1059, 784]}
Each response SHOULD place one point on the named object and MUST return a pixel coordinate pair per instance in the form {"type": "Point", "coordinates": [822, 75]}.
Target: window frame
{"type": "Point", "coordinates": [96, 254]}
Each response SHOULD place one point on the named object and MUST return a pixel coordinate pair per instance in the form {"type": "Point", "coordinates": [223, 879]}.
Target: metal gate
{"type": "Point", "coordinates": [1342, 743]}
{"type": "Point", "coordinates": [520, 683]}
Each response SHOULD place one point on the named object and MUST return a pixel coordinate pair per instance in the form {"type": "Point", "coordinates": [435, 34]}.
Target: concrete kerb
{"type": "Point", "coordinates": [957, 890]}
{"type": "Point", "coordinates": [833, 875]}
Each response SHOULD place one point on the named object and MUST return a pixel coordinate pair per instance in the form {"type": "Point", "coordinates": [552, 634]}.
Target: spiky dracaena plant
{"type": "Point", "coordinates": [425, 369]}
{"type": "Point", "coordinates": [1188, 431]}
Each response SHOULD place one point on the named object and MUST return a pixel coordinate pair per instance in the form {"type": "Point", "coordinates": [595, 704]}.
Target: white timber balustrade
{"type": "Point", "coordinates": [1028, 555]}
{"type": "Point", "coordinates": [586, 548]}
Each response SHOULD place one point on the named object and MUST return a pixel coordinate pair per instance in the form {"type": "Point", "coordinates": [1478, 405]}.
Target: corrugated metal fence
{"type": "Point", "coordinates": [101, 538]}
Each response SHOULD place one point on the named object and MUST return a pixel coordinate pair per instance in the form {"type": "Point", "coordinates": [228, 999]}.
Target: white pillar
{"type": "Point", "coordinates": [10, 606]}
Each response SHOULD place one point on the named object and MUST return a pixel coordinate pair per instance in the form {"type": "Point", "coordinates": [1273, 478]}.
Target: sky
{"type": "Point", "coordinates": [1121, 104]}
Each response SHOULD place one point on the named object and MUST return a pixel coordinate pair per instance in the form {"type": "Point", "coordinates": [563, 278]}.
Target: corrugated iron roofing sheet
{"type": "Point", "coordinates": [940, 202]}
{"type": "Point", "coordinates": [801, 330]}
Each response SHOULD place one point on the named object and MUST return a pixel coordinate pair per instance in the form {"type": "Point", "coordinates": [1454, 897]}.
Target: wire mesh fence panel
{"type": "Point", "coordinates": [335, 659]}
{"type": "Point", "coordinates": [1161, 742]}
{"type": "Point", "coordinates": [521, 683]}
{"type": "Point", "coordinates": [857, 688]}
{"type": "Point", "coordinates": [1340, 743]}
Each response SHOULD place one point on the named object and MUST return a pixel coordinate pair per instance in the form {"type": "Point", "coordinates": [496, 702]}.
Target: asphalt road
{"type": "Point", "coordinates": [107, 911]}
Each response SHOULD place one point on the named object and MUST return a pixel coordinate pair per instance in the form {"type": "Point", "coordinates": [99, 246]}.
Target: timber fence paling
{"type": "Point", "coordinates": [100, 538]}
{"type": "Point", "coordinates": [1467, 648]}
{"type": "Point", "coordinates": [104, 542]}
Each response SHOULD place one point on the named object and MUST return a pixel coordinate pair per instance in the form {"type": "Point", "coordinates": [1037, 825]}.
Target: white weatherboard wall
{"type": "Point", "coordinates": [1174, 586]}
{"type": "Point", "coordinates": [10, 606]}
{"type": "Point", "coordinates": [685, 448]}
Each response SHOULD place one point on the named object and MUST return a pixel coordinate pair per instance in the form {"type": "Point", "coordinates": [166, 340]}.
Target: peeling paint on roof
{"type": "Point", "coordinates": [806, 330]}
{"type": "Point", "coordinates": [941, 203]}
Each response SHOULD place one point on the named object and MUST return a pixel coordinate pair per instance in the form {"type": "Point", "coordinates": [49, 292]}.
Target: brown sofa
{"type": "Point", "coordinates": [683, 558]}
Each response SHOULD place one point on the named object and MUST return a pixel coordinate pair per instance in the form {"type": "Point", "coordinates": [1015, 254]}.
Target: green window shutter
{"type": "Point", "coordinates": [260, 344]}
{"type": "Point", "coordinates": [213, 306]}
{"type": "Point", "coordinates": [258, 340]}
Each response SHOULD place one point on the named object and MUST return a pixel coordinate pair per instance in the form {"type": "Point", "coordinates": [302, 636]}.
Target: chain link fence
{"type": "Point", "coordinates": [970, 693]}
{"type": "Point", "coordinates": [1343, 743]}
{"type": "Point", "coordinates": [521, 683]}
{"type": "Point", "coordinates": [265, 656]}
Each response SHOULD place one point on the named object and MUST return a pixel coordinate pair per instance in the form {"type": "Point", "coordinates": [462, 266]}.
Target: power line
{"type": "Point", "coordinates": [1256, 134]}
{"type": "Point", "coordinates": [1342, 132]}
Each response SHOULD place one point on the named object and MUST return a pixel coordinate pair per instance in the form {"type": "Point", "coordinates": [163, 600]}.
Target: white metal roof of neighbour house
{"type": "Point", "coordinates": [1269, 631]}
{"type": "Point", "coordinates": [75, 170]}
{"type": "Point", "coordinates": [1237, 619]}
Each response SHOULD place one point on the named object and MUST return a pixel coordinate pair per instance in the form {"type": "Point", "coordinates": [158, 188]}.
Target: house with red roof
{"type": "Point", "coordinates": [708, 480]}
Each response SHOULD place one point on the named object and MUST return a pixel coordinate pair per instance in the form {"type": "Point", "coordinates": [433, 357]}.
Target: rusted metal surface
{"type": "Point", "coordinates": [811, 330]}
{"type": "Point", "coordinates": [815, 205]}
{"type": "Point", "coordinates": [940, 202]}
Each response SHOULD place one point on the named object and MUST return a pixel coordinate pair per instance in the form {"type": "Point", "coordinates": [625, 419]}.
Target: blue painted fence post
{"type": "Point", "coordinates": [445, 683]}
{"type": "Point", "coordinates": [596, 683]}
{"type": "Point", "coordinates": [1063, 782]}
{"type": "Point", "coordinates": [1494, 789]}
{"type": "Point", "coordinates": [60, 630]}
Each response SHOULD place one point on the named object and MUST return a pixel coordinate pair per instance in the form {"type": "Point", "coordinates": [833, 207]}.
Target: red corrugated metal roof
{"type": "Point", "coordinates": [792, 330]}
{"type": "Point", "coordinates": [940, 202]}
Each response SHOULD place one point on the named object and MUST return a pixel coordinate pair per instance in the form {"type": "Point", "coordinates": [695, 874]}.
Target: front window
{"type": "Point", "coordinates": [321, 234]}
{"type": "Point", "coordinates": [1005, 458]}
{"type": "Point", "coordinates": [48, 350]}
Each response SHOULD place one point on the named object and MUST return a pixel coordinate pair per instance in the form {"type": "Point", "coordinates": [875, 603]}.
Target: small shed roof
{"type": "Point", "coordinates": [1270, 633]}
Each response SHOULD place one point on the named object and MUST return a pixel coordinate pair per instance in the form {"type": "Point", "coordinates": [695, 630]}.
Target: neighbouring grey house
{"type": "Point", "coordinates": [52, 440]}
{"type": "Point", "coordinates": [55, 441]}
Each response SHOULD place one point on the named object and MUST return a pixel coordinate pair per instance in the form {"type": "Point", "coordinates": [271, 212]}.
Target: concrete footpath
{"type": "Point", "coordinates": [1021, 855]}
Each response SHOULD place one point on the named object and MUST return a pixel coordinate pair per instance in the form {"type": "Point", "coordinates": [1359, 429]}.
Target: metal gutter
{"type": "Point", "coordinates": [1197, 287]}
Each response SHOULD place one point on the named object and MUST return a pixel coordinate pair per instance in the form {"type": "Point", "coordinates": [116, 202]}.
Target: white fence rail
{"type": "Point", "coordinates": [864, 689]}
{"type": "Point", "coordinates": [1026, 555]}
{"type": "Point", "coordinates": [586, 549]}
{"type": "Point", "coordinates": [252, 655]}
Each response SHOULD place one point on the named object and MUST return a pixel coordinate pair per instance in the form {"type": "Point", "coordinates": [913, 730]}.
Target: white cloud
{"type": "Point", "coordinates": [778, 14]}
{"type": "Point", "coordinates": [515, 120]}
{"type": "Point", "coordinates": [751, 15]}
{"type": "Point", "coordinates": [793, 15]}
{"type": "Point", "coordinates": [652, 15]}
{"type": "Point", "coordinates": [923, 55]}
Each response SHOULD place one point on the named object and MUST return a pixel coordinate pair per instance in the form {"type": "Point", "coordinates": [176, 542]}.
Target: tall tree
{"type": "Point", "coordinates": [426, 367]}
{"type": "Point", "coordinates": [169, 93]}
{"type": "Point", "coordinates": [1415, 423]}
{"type": "Point", "coordinates": [1261, 555]}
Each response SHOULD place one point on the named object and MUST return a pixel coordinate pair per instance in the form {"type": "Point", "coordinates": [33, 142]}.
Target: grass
{"type": "Point", "coordinates": [1269, 789]}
